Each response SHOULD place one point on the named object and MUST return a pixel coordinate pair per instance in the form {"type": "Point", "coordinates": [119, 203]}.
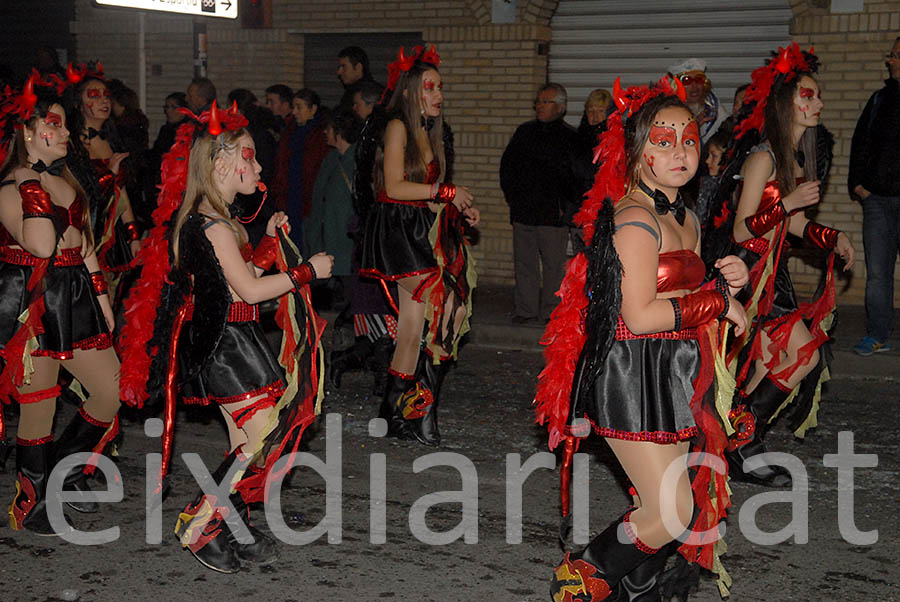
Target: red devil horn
{"type": "Point", "coordinates": [99, 68]}
{"type": "Point", "coordinates": [28, 95]}
{"type": "Point", "coordinates": [812, 49]}
{"type": "Point", "coordinates": [233, 109]}
{"type": "Point", "coordinates": [680, 91]}
{"type": "Point", "coordinates": [783, 62]}
{"type": "Point", "coordinates": [215, 126]}
{"type": "Point", "coordinates": [618, 95]}
{"type": "Point", "coordinates": [400, 56]}
{"type": "Point", "coordinates": [72, 75]}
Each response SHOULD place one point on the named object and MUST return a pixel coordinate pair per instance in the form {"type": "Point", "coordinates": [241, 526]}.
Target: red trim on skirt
{"type": "Point", "coordinates": [274, 389]}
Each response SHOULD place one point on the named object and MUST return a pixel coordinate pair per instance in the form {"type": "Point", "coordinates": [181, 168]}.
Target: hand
{"type": "Point", "coordinates": [23, 174]}
{"type": "Point", "coordinates": [844, 249]}
{"type": "Point", "coordinates": [472, 215]}
{"type": "Point", "coordinates": [805, 195]}
{"type": "Point", "coordinates": [735, 272]}
{"type": "Point", "coordinates": [322, 264]}
{"type": "Point", "coordinates": [115, 161]}
{"type": "Point", "coordinates": [135, 246]}
{"type": "Point", "coordinates": [278, 219]}
{"type": "Point", "coordinates": [736, 315]}
{"type": "Point", "coordinates": [463, 199]}
{"type": "Point", "coordinates": [861, 192]}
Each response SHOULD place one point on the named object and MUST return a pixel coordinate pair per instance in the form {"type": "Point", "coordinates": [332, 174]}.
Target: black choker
{"type": "Point", "coordinates": [662, 205]}
{"type": "Point", "coordinates": [427, 123]}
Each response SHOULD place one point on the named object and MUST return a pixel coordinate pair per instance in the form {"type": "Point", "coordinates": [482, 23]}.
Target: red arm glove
{"type": "Point", "coordinates": [99, 282]}
{"type": "Point", "coordinates": [443, 193]}
{"type": "Point", "coordinates": [36, 201]}
{"type": "Point", "coordinates": [264, 254]}
{"type": "Point", "coordinates": [301, 274]}
{"type": "Point", "coordinates": [134, 233]}
{"type": "Point", "coordinates": [820, 236]}
{"type": "Point", "coordinates": [699, 308]}
{"type": "Point", "coordinates": [762, 221]}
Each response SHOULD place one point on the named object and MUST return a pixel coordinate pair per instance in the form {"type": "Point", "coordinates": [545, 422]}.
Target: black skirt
{"type": "Point", "coordinates": [72, 318]}
{"type": "Point", "coordinates": [242, 367]}
{"type": "Point", "coordinates": [396, 241]}
{"type": "Point", "coordinates": [644, 392]}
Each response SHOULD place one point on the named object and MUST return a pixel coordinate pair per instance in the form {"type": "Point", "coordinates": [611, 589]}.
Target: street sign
{"type": "Point", "coordinates": [227, 9]}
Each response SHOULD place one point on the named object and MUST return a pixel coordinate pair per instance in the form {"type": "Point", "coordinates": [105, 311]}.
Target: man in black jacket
{"type": "Point", "coordinates": [874, 180]}
{"type": "Point", "coordinates": [539, 175]}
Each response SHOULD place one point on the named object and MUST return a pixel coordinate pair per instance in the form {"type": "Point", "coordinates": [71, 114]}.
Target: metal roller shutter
{"type": "Point", "coordinates": [595, 41]}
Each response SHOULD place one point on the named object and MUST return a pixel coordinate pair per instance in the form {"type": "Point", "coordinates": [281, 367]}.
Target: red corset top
{"type": "Point", "coordinates": [73, 215]}
{"type": "Point", "coordinates": [679, 270]}
{"type": "Point", "coordinates": [432, 174]}
{"type": "Point", "coordinates": [105, 177]}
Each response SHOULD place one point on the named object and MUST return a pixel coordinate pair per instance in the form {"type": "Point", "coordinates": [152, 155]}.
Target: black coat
{"type": "Point", "coordinates": [541, 173]}
{"type": "Point", "coordinates": [875, 151]}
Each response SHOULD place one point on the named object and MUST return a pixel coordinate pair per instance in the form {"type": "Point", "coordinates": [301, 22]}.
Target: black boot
{"type": "Point", "coordinates": [595, 573]}
{"type": "Point", "coordinates": [263, 549]}
{"type": "Point", "coordinates": [751, 425]}
{"type": "Point", "coordinates": [398, 386]}
{"type": "Point", "coordinates": [29, 508]}
{"type": "Point", "coordinates": [378, 363]}
{"type": "Point", "coordinates": [202, 529]}
{"type": "Point", "coordinates": [433, 378]}
{"type": "Point", "coordinates": [81, 435]}
{"type": "Point", "coordinates": [641, 584]}
{"type": "Point", "coordinates": [347, 360]}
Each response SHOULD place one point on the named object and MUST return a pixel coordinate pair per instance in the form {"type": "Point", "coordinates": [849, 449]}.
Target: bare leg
{"type": "Point", "coordinates": [36, 419]}
{"type": "Point", "coordinates": [799, 337]}
{"type": "Point", "coordinates": [98, 371]}
{"type": "Point", "coordinates": [645, 463]}
{"type": "Point", "coordinates": [410, 322]}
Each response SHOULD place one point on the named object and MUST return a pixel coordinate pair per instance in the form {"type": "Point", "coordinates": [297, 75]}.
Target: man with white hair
{"type": "Point", "coordinates": [541, 180]}
{"type": "Point", "coordinates": [704, 104]}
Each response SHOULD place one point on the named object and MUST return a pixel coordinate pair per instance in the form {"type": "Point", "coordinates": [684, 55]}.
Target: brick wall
{"type": "Point", "coordinates": [851, 49]}
{"type": "Point", "coordinates": [491, 73]}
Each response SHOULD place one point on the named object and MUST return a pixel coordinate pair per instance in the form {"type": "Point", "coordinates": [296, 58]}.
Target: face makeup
{"type": "Point", "coordinates": [671, 153]}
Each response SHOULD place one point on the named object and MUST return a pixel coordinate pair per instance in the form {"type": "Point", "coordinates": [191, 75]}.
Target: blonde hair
{"type": "Point", "coordinates": [200, 183]}
{"type": "Point", "coordinates": [598, 97]}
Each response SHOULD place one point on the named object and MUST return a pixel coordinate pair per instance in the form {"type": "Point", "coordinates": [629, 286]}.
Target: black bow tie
{"type": "Point", "coordinates": [54, 169]}
{"type": "Point", "coordinates": [662, 205]}
{"type": "Point", "coordinates": [427, 123]}
{"type": "Point", "coordinates": [92, 133]}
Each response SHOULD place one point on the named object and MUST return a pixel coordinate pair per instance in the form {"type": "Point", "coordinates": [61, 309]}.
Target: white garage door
{"type": "Point", "coordinates": [595, 41]}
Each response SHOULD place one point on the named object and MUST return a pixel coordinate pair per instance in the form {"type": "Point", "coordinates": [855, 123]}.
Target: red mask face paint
{"type": "Point", "coordinates": [248, 153]}
{"type": "Point", "coordinates": [53, 119]}
{"type": "Point", "coordinates": [691, 135]}
{"type": "Point", "coordinates": [97, 93]}
{"type": "Point", "coordinates": [429, 85]}
{"type": "Point", "coordinates": [662, 136]}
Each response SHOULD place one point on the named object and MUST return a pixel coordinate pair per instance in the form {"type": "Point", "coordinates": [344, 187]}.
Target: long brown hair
{"type": "Point", "coordinates": [406, 105]}
{"type": "Point", "coordinates": [200, 184]}
{"type": "Point", "coordinates": [637, 131]}
{"type": "Point", "coordinates": [779, 129]}
{"type": "Point", "coordinates": [18, 157]}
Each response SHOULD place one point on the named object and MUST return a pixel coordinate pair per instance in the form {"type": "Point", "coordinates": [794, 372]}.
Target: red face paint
{"type": "Point", "coordinates": [807, 93]}
{"type": "Point", "coordinates": [691, 135]}
{"type": "Point", "coordinates": [248, 153]}
{"type": "Point", "coordinates": [53, 119]}
{"type": "Point", "coordinates": [428, 85]}
{"type": "Point", "coordinates": [660, 135]}
{"type": "Point", "coordinates": [650, 160]}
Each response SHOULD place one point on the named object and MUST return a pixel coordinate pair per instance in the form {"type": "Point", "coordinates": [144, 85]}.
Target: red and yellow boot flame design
{"type": "Point", "coordinates": [573, 582]}
{"type": "Point", "coordinates": [415, 402]}
{"type": "Point", "coordinates": [25, 500]}
{"type": "Point", "coordinates": [744, 423]}
{"type": "Point", "coordinates": [199, 524]}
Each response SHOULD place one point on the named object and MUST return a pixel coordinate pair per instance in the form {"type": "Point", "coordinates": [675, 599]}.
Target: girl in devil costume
{"type": "Point", "coordinates": [54, 308]}
{"type": "Point", "coordinates": [414, 237]}
{"type": "Point", "coordinates": [101, 171]}
{"type": "Point", "coordinates": [774, 172]}
{"type": "Point", "coordinates": [630, 351]}
{"type": "Point", "coordinates": [198, 268]}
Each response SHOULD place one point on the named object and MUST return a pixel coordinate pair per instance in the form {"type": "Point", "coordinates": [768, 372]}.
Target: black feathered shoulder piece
{"type": "Point", "coordinates": [824, 155]}
{"type": "Point", "coordinates": [449, 152]}
{"type": "Point", "coordinates": [371, 136]}
{"type": "Point", "coordinates": [212, 298]}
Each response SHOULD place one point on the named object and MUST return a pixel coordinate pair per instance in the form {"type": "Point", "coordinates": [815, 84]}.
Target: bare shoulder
{"type": "Point", "coordinates": [758, 165]}
{"type": "Point", "coordinates": [395, 130]}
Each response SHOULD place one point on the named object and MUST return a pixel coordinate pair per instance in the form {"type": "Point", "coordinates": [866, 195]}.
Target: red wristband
{"type": "Point", "coordinates": [763, 221]}
{"type": "Point", "coordinates": [445, 193]}
{"type": "Point", "coordinates": [820, 236]}
{"type": "Point", "coordinates": [99, 282]}
{"type": "Point", "coordinates": [264, 254]}
{"type": "Point", "coordinates": [133, 231]}
{"type": "Point", "coordinates": [701, 307]}
{"type": "Point", "coordinates": [36, 201]}
{"type": "Point", "coordinates": [301, 275]}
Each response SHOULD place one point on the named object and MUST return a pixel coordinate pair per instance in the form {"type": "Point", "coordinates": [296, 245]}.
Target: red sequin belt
{"type": "Point", "coordinates": [65, 258]}
{"type": "Point", "coordinates": [623, 334]}
{"type": "Point", "coordinates": [239, 311]}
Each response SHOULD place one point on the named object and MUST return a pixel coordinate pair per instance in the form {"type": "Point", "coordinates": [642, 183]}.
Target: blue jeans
{"type": "Point", "coordinates": [881, 239]}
